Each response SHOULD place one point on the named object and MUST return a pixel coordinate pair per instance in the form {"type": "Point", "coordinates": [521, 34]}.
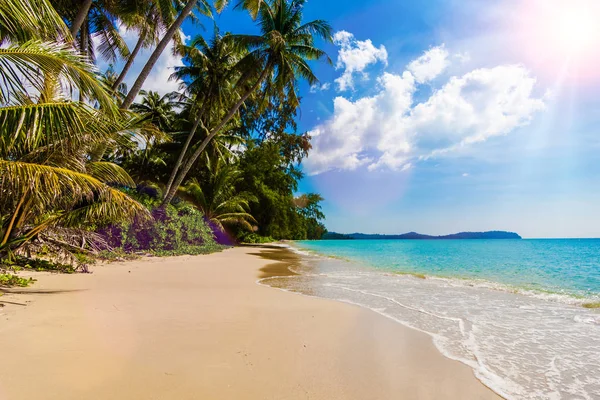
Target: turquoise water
{"type": "Point", "coordinates": [567, 266]}
{"type": "Point", "coordinates": [509, 309]}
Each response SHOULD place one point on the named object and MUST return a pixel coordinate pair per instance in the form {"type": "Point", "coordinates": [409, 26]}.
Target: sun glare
{"type": "Point", "coordinates": [574, 29]}
{"type": "Point", "coordinates": [561, 36]}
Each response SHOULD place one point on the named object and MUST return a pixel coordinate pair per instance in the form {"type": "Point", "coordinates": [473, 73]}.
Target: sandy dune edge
{"type": "Point", "coordinates": [201, 328]}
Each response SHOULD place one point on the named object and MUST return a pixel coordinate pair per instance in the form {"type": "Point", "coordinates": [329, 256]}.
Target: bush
{"type": "Point", "coordinates": [253, 238]}
{"type": "Point", "coordinates": [177, 229]}
{"type": "Point", "coordinates": [169, 230]}
{"type": "Point", "coordinates": [19, 263]}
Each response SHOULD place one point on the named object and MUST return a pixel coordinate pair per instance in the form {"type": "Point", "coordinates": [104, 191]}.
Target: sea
{"type": "Point", "coordinates": [515, 311]}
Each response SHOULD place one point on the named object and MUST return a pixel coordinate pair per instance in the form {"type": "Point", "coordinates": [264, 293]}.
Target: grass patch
{"type": "Point", "coordinates": [591, 305]}
{"type": "Point", "coordinates": [10, 280]}
{"type": "Point", "coordinates": [189, 250]}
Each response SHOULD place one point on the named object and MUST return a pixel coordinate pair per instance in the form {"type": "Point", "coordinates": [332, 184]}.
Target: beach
{"type": "Point", "coordinates": [200, 327]}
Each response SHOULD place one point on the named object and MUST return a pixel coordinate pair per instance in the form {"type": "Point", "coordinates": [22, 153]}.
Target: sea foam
{"type": "Point", "coordinates": [521, 343]}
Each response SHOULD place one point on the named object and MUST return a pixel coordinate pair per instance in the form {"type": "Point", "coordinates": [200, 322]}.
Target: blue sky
{"type": "Point", "coordinates": [445, 116]}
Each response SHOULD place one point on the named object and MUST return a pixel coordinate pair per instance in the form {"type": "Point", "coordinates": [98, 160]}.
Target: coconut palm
{"type": "Point", "coordinates": [109, 78]}
{"type": "Point", "coordinates": [80, 16]}
{"type": "Point", "coordinates": [252, 6]}
{"type": "Point", "coordinates": [157, 109]}
{"type": "Point", "coordinates": [281, 52]}
{"type": "Point", "coordinates": [206, 76]}
{"type": "Point", "coordinates": [47, 179]}
{"type": "Point", "coordinates": [98, 26]}
{"type": "Point", "coordinates": [148, 19]}
{"type": "Point", "coordinates": [218, 199]}
{"type": "Point", "coordinates": [202, 7]}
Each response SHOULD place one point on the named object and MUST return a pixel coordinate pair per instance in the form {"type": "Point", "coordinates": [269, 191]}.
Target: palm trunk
{"type": "Point", "coordinates": [182, 154]}
{"type": "Point", "coordinates": [129, 62]}
{"type": "Point", "coordinates": [84, 8]}
{"type": "Point", "coordinates": [173, 29]}
{"type": "Point", "coordinates": [84, 48]}
{"type": "Point", "coordinates": [11, 224]}
{"type": "Point", "coordinates": [188, 165]}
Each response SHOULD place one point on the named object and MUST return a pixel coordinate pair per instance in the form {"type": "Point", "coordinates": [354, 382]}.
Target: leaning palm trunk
{"type": "Point", "coordinates": [188, 165]}
{"type": "Point", "coordinates": [182, 154]}
{"type": "Point", "coordinates": [130, 60]}
{"type": "Point", "coordinates": [80, 17]}
{"type": "Point", "coordinates": [173, 29]}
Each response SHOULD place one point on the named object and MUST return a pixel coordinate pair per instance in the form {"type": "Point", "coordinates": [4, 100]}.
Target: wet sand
{"type": "Point", "coordinates": [199, 327]}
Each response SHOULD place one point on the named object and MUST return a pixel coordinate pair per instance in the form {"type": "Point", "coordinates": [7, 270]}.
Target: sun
{"type": "Point", "coordinates": [559, 37]}
{"type": "Point", "coordinates": [573, 27]}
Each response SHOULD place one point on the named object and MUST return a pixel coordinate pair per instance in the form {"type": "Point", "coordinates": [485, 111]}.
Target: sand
{"type": "Point", "coordinates": [199, 327]}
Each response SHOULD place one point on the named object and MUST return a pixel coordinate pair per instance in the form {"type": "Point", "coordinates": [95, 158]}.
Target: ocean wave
{"type": "Point", "coordinates": [522, 343]}
{"type": "Point", "coordinates": [558, 295]}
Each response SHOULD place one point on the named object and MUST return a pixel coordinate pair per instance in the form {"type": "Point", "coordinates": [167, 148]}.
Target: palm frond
{"type": "Point", "coordinates": [25, 128]}
{"type": "Point", "coordinates": [22, 21]}
{"type": "Point", "coordinates": [24, 66]}
{"type": "Point", "coordinates": [109, 172]}
{"type": "Point", "coordinates": [111, 44]}
{"type": "Point", "coordinates": [48, 184]}
{"type": "Point", "coordinates": [114, 206]}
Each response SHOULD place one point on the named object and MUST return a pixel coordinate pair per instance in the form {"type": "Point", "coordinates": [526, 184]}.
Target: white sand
{"type": "Point", "coordinates": [201, 328]}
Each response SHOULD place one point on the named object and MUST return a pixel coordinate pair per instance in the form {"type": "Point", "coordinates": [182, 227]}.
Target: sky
{"type": "Point", "coordinates": [440, 116]}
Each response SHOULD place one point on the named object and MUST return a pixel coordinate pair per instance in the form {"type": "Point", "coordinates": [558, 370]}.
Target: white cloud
{"type": "Point", "coordinates": [482, 103]}
{"type": "Point", "coordinates": [369, 123]}
{"type": "Point", "coordinates": [354, 57]}
{"type": "Point", "coordinates": [463, 57]}
{"type": "Point", "coordinates": [430, 65]}
{"type": "Point", "coordinates": [389, 130]}
{"type": "Point", "coordinates": [320, 88]}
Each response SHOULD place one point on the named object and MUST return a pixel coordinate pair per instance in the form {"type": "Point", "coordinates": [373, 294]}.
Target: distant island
{"type": "Point", "coordinates": [419, 236]}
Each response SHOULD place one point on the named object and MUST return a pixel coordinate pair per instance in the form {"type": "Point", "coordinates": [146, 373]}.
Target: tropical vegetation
{"type": "Point", "coordinates": [89, 166]}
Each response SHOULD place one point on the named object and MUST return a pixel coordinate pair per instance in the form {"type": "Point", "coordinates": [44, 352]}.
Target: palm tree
{"type": "Point", "coordinates": [157, 109]}
{"type": "Point", "coordinates": [280, 52]}
{"type": "Point", "coordinates": [97, 22]}
{"type": "Point", "coordinates": [252, 6]}
{"type": "Point", "coordinates": [148, 19]}
{"type": "Point", "coordinates": [218, 199]}
{"type": "Point", "coordinates": [109, 78]}
{"type": "Point", "coordinates": [207, 76]}
{"type": "Point", "coordinates": [203, 7]}
{"type": "Point", "coordinates": [47, 178]}
{"type": "Point", "coordinates": [80, 16]}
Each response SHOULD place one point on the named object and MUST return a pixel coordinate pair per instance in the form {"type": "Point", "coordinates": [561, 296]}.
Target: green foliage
{"type": "Point", "coordinates": [189, 250]}
{"type": "Point", "coordinates": [10, 280]}
{"type": "Point", "coordinates": [37, 264]}
{"type": "Point", "coordinates": [157, 109]}
{"type": "Point", "coordinates": [253, 238]}
{"type": "Point", "coordinates": [50, 183]}
{"type": "Point", "coordinates": [218, 199]}
{"type": "Point", "coordinates": [70, 158]}
{"type": "Point", "coordinates": [269, 172]}
{"type": "Point", "coordinates": [173, 229]}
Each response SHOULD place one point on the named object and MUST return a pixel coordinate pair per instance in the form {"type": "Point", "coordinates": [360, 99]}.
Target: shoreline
{"type": "Point", "coordinates": [557, 296]}
{"type": "Point", "coordinates": [201, 327]}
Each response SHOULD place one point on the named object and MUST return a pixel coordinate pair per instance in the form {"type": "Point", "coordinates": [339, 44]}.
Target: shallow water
{"type": "Point", "coordinates": [509, 309]}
